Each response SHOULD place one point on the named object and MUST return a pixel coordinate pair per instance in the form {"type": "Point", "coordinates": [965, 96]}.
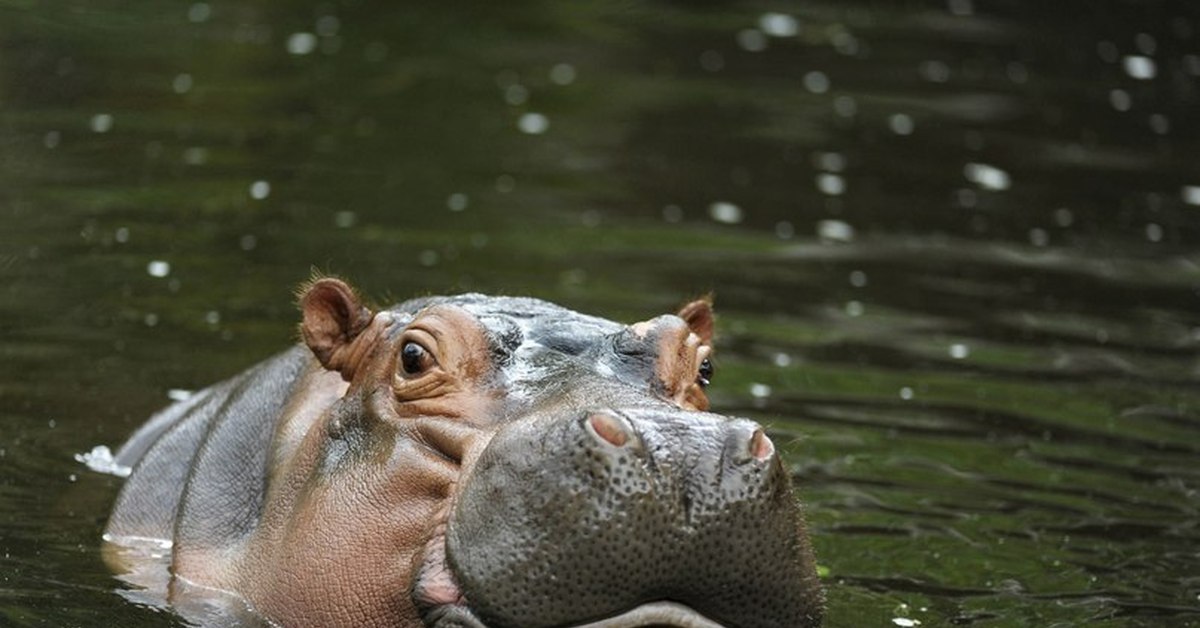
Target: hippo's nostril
{"type": "Point", "coordinates": [612, 430]}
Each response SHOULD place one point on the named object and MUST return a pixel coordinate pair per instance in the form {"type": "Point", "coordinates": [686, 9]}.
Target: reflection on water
{"type": "Point", "coordinates": [953, 243]}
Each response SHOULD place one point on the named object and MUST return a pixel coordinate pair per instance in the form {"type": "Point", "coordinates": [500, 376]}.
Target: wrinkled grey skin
{"type": "Point", "coordinates": [551, 522]}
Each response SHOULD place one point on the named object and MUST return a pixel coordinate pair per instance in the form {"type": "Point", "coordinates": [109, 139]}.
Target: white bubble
{"type": "Point", "coordinates": [778, 24]}
{"type": "Point", "coordinates": [158, 268]}
{"type": "Point", "coordinates": [212, 317]}
{"type": "Point", "coordinates": [905, 622]}
{"type": "Point", "coordinates": [782, 360]}
{"type": "Point", "coordinates": [182, 83]}
{"type": "Point", "coordinates": [854, 309]}
{"type": "Point", "coordinates": [1139, 67]}
{"type": "Point", "coordinates": [1154, 232]}
{"type": "Point", "coordinates": [845, 106]}
{"type": "Point", "coordinates": [457, 202]}
{"type": "Point", "coordinates": [784, 230]}
{"type": "Point", "coordinates": [195, 155]}
{"type": "Point", "coordinates": [1039, 237]}
{"type": "Point", "coordinates": [831, 184]}
{"type": "Point", "coordinates": [562, 74]}
{"type": "Point", "coordinates": [51, 139]}
{"type": "Point", "coordinates": [1160, 124]}
{"type": "Point", "coordinates": [835, 231]}
{"type": "Point", "coordinates": [858, 278]}
{"type": "Point", "coordinates": [533, 123]}
{"type": "Point", "coordinates": [345, 219]}
{"type": "Point", "coordinates": [301, 43]}
{"type": "Point", "coordinates": [831, 162]}
{"type": "Point", "coordinates": [260, 190]}
{"type": "Point", "coordinates": [121, 235]}
{"type": "Point", "coordinates": [1120, 100]}
{"type": "Point", "coordinates": [516, 94]}
{"type": "Point", "coordinates": [816, 82]}
{"type": "Point", "coordinates": [728, 213]}
{"type": "Point", "coordinates": [906, 393]}
{"type": "Point", "coordinates": [1063, 217]}
{"type": "Point", "coordinates": [958, 351]}
{"type": "Point", "coordinates": [179, 394]}
{"type": "Point", "coordinates": [1191, 194]}
{"type": "Point", "coordinates": [934, 71]}
{"type": "Point", "coordinates": [427, 258]}
{"type": "Point", "coordinates": [752, 40]}
{"type": "Point", "coordinates": [102, 123]}
{"type": "Point", "coordinates": [901, 124]}
{"type": "Point", "coordinates": [760, 391]}
{"type": "Point", "coordinates": [987, 176]}
{"type": "Point", "coordinates": [199, 12]}
{"type": "Point", "coordinates": [248, 242]}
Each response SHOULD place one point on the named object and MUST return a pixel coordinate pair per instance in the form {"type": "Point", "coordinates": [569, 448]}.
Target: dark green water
{"type": "Point", "coordinates": [954, 246]}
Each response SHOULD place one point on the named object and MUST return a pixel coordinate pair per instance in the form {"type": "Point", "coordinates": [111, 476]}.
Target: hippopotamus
{"type": "Point", "coordinates": [477, 462]}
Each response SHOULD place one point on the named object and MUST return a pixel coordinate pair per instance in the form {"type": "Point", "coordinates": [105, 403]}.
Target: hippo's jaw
{"type": "Point", "coordinates": [646, 516]}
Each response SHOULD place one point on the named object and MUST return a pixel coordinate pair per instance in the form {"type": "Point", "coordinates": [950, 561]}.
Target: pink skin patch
{"type": "Point", "coordinates": [761, 446]}
{"type": "Point", "coordinates": [436, 585]}
{"type": "Point", "coordinates": [610, 429]}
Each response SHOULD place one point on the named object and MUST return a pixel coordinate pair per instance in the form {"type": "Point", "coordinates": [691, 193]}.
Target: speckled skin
{"type": "Point", "coordinates": [473, 461]}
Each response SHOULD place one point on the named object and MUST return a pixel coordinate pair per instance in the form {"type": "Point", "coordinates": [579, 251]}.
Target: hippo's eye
{"type": "Point", "coordinates": [414, 359]}
{"type": "Point", "coordinates": [706, 373]}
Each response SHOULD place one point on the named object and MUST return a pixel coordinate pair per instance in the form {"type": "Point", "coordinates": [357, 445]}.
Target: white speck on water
{"type": "Point", "coordinates": [101, 460]}
{"type": "Point", "coordinates": [858, 279]}
{"type": "Point", "coordinates": [760, 391]}
{"type": "Point", "coordinates": [562, 74]}
{"type": "Point", "coordinates": [457, 202]}
{"type": "Point", "coordinates": [1192, 63]}
{"type": "Point", "coordinates": [901, 124]}
{"type": "Point", "coordinates": [158, 268]}
{"type": "Point", "coordinates": [121, 235]}
{"type": "Point", "coordinates": [831, 184]}
{"type": "Point", "coordinates": [782, 360]}
{"type": "Point", "coordinates": [1120, 100]}
{"type": "Point", "coordinates": [845, 106]}
{"type": "Point", "coordinates": [52, 423]}
{"type": "Point", "coordinates": [195, 156]}
{"type": "Point", "coordinates": [1191, 194]}
{"type": "Point", "coordinates": [831, 162]}
{"type": "Point", "coordinates": [505, 183]}
{"type": "Point", "coordinates": [959, 351]}
{"type": "Point", "coordinates": [987, 176]}
{"type": "Point", "coordinates": [726, 212]}
{"type": "Point", "coordinates": [301, 43]}
{"type": "Point", "coordinates": [212, 317]}
{"type": "Point", "coordinates": [672, 213]}
{"type": "Point", "coordinates": [199, 12]}
{"type": "Point", "coordinates": [248, 242]}
{"type": "Point", "coordinates": [844, 42]}
{"type": "Point", "coordinates": [934, 71]}
{"type": "Point", "coordinates": [816, 82]}
{"type": "Point", "coordinates": [1154, 232]}
{"type": "Point", "coordinates": [752, 40]}
{"type": "Point", "coordinates": [1038, 237]}
{"type": "Point", "coordinates": [905, 622]}
{"type": "Point", "coordinates": [516, 94]}
{"type": "Point", "coordinates": [179, 394]}
{"type": "Point", "coordinates": [428, 258]}
{"type": "Point", "coordinates": [102, 123]}
{"type": "Point", "coordinates": [778, 25]}
{"type": "Point", "coordinates": [1063, 217]}
{"type": "Point", "coordinates": [835, 231]}
{"type": "Point", "coordinates": [345, 219]}
{"type": "Point", "coordinates": [1160, 124]}
{"type": "Point", "coordinates": [533, 123]}
{"type": "Point", "coordinates": [72, 478]}
{"type": "Point", "coordinates": [260, 190]}
{"type": "Point", "coordinates": [51, 139]}
{"type": "Point", "coordinates": [785, 230]}
{"type": "Point", "coordinates": [151, 319]}
{"type": "Point", "coordinates": [854, 309]}
{"type": "Point", "coordinates": [182, 83]}
{"type": "Point", "coordinates": [961, 7]}
{"type": "Point", "coordinates": [906, 393]}
{"type": "Point", "coordinates": [1139, 67]}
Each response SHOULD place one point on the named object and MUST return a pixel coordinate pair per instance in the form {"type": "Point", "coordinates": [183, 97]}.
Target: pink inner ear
{"type": "Point", "coordinates": [699, 316]}
{"type": "Point", "coordinates": [333, 316]}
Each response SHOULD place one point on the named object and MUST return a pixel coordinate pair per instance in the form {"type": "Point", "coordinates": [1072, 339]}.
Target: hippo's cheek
{"type": "Point", "coordinates": [626, 518]}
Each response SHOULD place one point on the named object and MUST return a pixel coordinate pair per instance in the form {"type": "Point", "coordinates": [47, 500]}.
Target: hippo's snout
{"type": "Point", "coordinates": [609, 513]}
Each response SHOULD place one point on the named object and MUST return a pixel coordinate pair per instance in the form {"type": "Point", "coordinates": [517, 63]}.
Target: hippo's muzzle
{"type": "Point", "coordinates": [627, 517]}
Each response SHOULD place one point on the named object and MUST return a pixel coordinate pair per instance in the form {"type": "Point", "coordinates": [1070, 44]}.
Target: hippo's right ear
{"type": "Point", "coordinates": [333, 317]}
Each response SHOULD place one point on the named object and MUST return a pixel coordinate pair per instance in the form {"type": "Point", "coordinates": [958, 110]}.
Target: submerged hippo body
{"type": "Point", "coordinates": [478, 462]}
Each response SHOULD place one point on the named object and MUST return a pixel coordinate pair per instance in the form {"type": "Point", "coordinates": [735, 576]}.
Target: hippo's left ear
{"type": "Point", "coordinates": [333, 318]}
{"type": "Point", "coordinates": [699, 316]}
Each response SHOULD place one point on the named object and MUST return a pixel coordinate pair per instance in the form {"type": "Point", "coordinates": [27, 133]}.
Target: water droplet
{"type": "Point", "coordinates": [505, 183]}
{"type": "Point", "coordinates": [158, 268]}
{"type": "Point", "coordinates": [782, 360]}
{"type": "Point", "coordinates": [905, 622]}
{"type": "Point", "coordinates": [345, 219]}
{"type": "Point", "coordinates": [1160, 124]}
{"type": "Point", "coordinates": [906, 393]}
{"type": "Point", "coordinates": [816, 82]}
{"type": "Point", "coordinates": [301, 43]}
{"type": "Point", "coordinates": [533, 123]}
{"type": "Point", "coordinates": [1154, 232]}
{"type": "Point", "coordinates": [179, 394]}
{"type": "Point", "coordinates": [779, 24]}
{"type": "Point", "coordinates": [260, 190]}
{"type": "Point", "coordinates": [121, 235]}
{"type": "Point", "coordinates": [835, 231]}
{"type": "Point", "coordinates": [199, 12]}
{"type": "Point", "coordinates": [672, 213]}
{"type": "Point", "coordinates": [1191, 194]}
{"type": "Point", "coordinates": [728, 213]}
{"type": "Point", "coordinates": [428, 258]}
{"type": "Point", "coordinates": [784, 230]}
{"type": "Point", "coordinates": [858, 278]}
{"type": "Point", "coordinates": [457, 202]}
{"type": "Point", "coordinates": [901, 124]}
{"type": "Point", "coordinates": [854, 309]}
{"type": "Point", "coordinates": [934, 71]}
{"type": "Point", "coordinates": [516, 94]}
{"type": "Point", "coordinates": [52, 139]}
{"type": "Point", "coordinates": [1141, 68]}
{"type": "Point", "coordinates": [760, 391]}
{"type": "Point", "coordinates": [845, 106]}
{"type": "Point", "coordinates": [752, 40]}
{"type": "Point", "coordinates": [959, 351]}
{"type": "Point", "coordinates": [1063, 217]}
{"type": "Point", "coordinates": [248, 242]}
{"type": "Point", "coordinates": [562, 74]}
{"type": "Point", "coordinates": [987, 176]}
{"type": "Point", "coordinates": [182, 83]}
{"type": "Point", "coordinates": [195, 156]}
{"type": "Point", "coordinates": [1120, 100]}
{"type": "Point", "coordinates": [212, 317]}
{"type": "Point", "coordinates": [831, 184]}
{"type": "Point", "coordinates": [102, 123]}
{"type": "Point", "coordinates": [150, 319]}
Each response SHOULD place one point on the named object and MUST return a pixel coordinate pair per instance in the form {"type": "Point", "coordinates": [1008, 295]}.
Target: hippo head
{"type": "Point", "coordinates": [482, 462]}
